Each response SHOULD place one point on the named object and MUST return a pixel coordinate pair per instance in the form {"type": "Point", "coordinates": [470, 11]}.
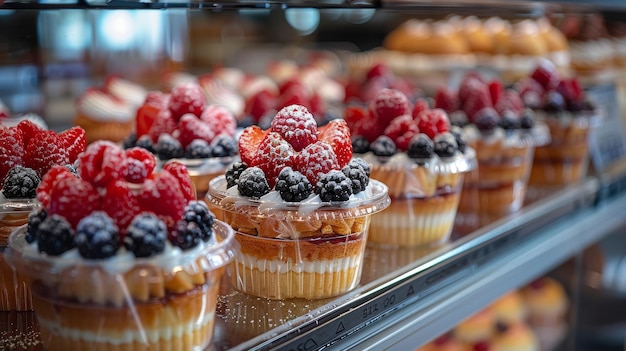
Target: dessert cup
{"type": "Point", "coordinates": [425, 195]}
{"type": "Point", "coordinates": [163, 302]}
{"type": "Point", "coordinates": [309, 249]}
{"type": "Point", "coordinates": [14, 292]}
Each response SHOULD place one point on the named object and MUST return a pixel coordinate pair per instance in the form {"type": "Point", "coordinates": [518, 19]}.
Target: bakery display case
{"type": "Point", "coordinates": [53, 52]}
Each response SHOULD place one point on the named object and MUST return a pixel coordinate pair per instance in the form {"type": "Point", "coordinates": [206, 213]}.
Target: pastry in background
{"type": "Point", "coordinates": [546, 300]}
{"type": "Point", "coordinates": [516, 336]}
{"type": "Point", "coordinates": [510, 308]}
{"type": "Point", "coordinates": [477, 328]}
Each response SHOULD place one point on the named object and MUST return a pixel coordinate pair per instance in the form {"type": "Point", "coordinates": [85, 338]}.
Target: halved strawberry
{"type": "Point", "coordinates": [144, 118]}
{"type": "Point", "coordinates": [337, 134]}
{"type": "Point", "coordinates": [249, 142]}
{"type": "Point", "coordinates": [260, 103]}
{"type": "Point", "coordinates": [354, 113]}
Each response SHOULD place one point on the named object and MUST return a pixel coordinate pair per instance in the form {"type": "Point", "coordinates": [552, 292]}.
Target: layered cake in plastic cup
{"type": "Point", "coordinates": [300, 207]}
{"type": "Point", "coordinates": [142, 259]}
{"type": "Point", "coordinates": [563, 106]}
{"type": "Point", "coordinates": [180, 125]}
{"type": "Point", "coordinates": [27, 152]}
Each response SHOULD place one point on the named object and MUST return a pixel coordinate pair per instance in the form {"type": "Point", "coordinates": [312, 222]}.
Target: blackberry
{"type": "Point", "coordinates": [245, 122]}
{"type": "Point", "coordinates": [357, 175]}
{"type": "Point", "coordinates": [198, 148]}
{"type": "Point", "coordinates": [361, 162]}
{"type": "Point", "coordinates": [234, 172]}
{"type": "Point", "coordinates": [187, 235]}
{"type": "Point", "coordinates": [553, 102]}
{"type": "Point", "coordinates": [458, 118]}
{"type": "Point", "coordinates": [421, 147]}
{"type": "Point", "coordinates": [334, 186]}
{"type": "Point", "coordinates": [487, 120]}
{"type": "Point", "coordinates": [459, 137]}
{"type": "Point", "coordinates": [145, 142]}
{"type": "Point", "coordinates": [383, 146]}
{"type": "Point", "coordinates": [130, 141]}
{"type": "Point", "coordinates": [527, 120]}
{"type": "Point", "coordinates": [509, 121]}
{"type": "Point", "coordinates": [20, 182]}
{"type": "Point", "coordinates": [97, 236]}
{"type": "Point", "coordinates": [145, 235]}
{"type": "Point", "coordinates": [55, 235]}
{"type": "Point", "coordinates": [34, 220]}
{"type": "Point", "coordinates": [360, 144]}
{"type": "Point", "coordinates": [223, 146]}
{"type": "Point", "coordinates": [198, 212]}
{"type": "Point", "coordinates": [252, 183]}
{"type": "Point", "coordinates": [292, 185]}
{"type": "Point", "coordinates": [445, 145]}
{"type": "Point", "coordinates": [167, 147]}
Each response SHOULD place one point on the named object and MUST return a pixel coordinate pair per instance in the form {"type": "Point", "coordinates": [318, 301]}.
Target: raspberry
{"type": "Point", "coordinates": [163, 123]}
{"type": "Point", "coordinates": [495, 91]}
{"type": "Point", "coordinates": [223, 145]}
{"type": "Point", "coordinates": [20, 182]}
{"type": "Point", "coordinates": [29, 129]}
{"type": "Point", "coordinates": [510, 101]}
{"type": "Point", "coordinates": [146, 235]}
{"type": "Point", "coordinates": [372, 86]}
{"type": "Point", "coordinates": [74, 142]}
{"type": "Point", "coordinates": [358, 176]}
{"type": "Point", "coordinates": [102, 162]}
{"type": "Point", "coordinates": [401, 130]}
{"type": "Point", "coordinates": [293, 186]}
{"type": "Point", "coordinates": [433, 122]}
{"type": "Point", "coordinates": [472, 84]}
{"type": "Point", "coordinates": [168, 148]}
{"type": "Point", "coordinates": [383, 146]}
{"type": "Point", "coordinates": [369, 128]}
{"type": "Point", "coordinates": [48, 181]}
{"type": "Point", "coordinates": [296, 125]}
{"type": "Point", "coordinates": [445, 145]}
{"type": "Point", "coordinates": [274, 153]}
{"type": "Point", "coordinates": [198, 148]}
{"type": "Point", "coordinates": [55, 236]}
{"type": "Point", "coordinates": [334, 186]}
{"type": "Point", "coordinates": [185, 98]}
{"type": "Point", "coordinates": [44, 151]}
{"type": "Point", "coordinates": [73, 198]}
{"type": "Point", "coordinates": [360, 145]}
{"type": "Point", "coordinates": [164, 197]}
{"type": "Point", "coordinates": [294, 95]}
{"type": "Point", "coordinates": [446, 99]}
{"type": "Point", "coordinates": [421, 147]}
{"type": "Point", "coordinates": [476, 102]}
{"type": "Point", "coordinates": [315, 160]}
{"type": "Point", "coordinates": [35, 218]}
{"type": "Point", "coordinates": [388, 104]}
{"type": "Point", "coordinates": [191, 127]}
{"type": "Point", "coordinates": [252, 183]}
{"type": "Point", "coordinates": [121, 204]}
{"type": "Point", "coordinates": [259, 104]}
{"type": "Point", "coordinates": [249, 142]}
{"type": "Point", "coordinates": [179, 171]}
{"type": "Point", "coordinates": [337, 134]}
{"type": "Point", "coordinates": [11, 150]}
{"type": "Point", "coordinates": [420, 105]}
{"type": "Point", "coordinates": [545, 74]}
{"type": "Point", "coordinates": [157, 98]}
{"type": "Point", "coordinates": [220, 119]}
{"type": "Point", "coordinates": [97, 236]}
{"type": "Point", "coordinates": [139, 164]}
{"type": "Point", "coordinates": [378, 70]}
{"type": "Point", "coordinates": [353, 114]}
{"type": "Point", "coordinates": [234, 172]}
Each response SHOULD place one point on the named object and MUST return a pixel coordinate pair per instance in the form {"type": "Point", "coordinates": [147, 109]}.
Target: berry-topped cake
{"type": "Point", "coordinates": [300, 206]}
{"type": "Point", "coordinates": [563, 106]}
{"type": "Point", "coordinates": [422, 159]}
{"type": "Point", "coordinates": [129, 247]}
{"type": "Point", "coordinates": [27, 152]}
{"type": "Point", "coordinates": [182, 126]}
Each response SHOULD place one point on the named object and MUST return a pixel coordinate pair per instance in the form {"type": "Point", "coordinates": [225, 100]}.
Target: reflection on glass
{"type": "Point", "coordinates": [305, 21]}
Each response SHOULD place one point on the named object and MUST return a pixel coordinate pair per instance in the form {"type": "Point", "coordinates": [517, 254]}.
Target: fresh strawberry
{"type": "Point", "coordinates": [472, 84]}
{"type": "Point", "coordinates": [495, 91]}
{"type": "Point", "coordinates": [546, 75]}
{"type": "Point", "coordinates": [420, 105]}
{"type": "Point", "coordinates": [191, 127]}
{"type": "Point", "coordinates": [101, 163]}
{"type": "Point", "coordinates": [475, 102]}
{"type": "Point", "coordinates": [294, 95]}
{"type": "Point", "coordinates": [274, 154]}
{"type": "Point", "coordinates": [388, 104]}
{"type": "Point", "coordinates": [163, 186]}
{"type": "Point", "coordinates": [445, 99]}
{"type": "Point", "coordinates": [121, 204]}
{"type": "Point", "coordinates": [354, 113]}
{"type": "Point", "coordinates": [11, 150]}
{"type": "Point", "coordinates": [29, 129]}
{"type": "Point", "coordinates": [45, 150]}
{"type": "Point", "coordinates": [249, 142]}
{"type": "Point", "coordinates": [260, 103]}
{"type": "Point", "coordinates": [368, 127]}
{"type": "Point", "coordinates": [296, 125]}
{"type": "Point", "coordinates": [510, 101]}
{"type": "Point", "coordinates": [179, 171]}
{"type": "Point", "coordinates": [144, 118]}
{"type": "Point", "coordinates": [46, 185]}
{"type": "Point", "coordinates": [433, 122]}
{"type": "Point", "coordinates": [378, 70]}
{"type": "Point", "coordinates": [139, 164]}
{"type": "Point", "coordinates": [74, 141]}
{"type": "Point", "coordinates": [220, 120]}
{"type": "Point", "coordinates": [316, 160]}
{"type": "Point", "coordinates": [187, 98]}
{"type": "Point", "coordinates": [401, 130]}
{"type": "Point", "coordinates": [73, 198]}
{"type": "Point", "coordinates": [337, 134]}
{"type": "Point", "coordinates": [163, 123]}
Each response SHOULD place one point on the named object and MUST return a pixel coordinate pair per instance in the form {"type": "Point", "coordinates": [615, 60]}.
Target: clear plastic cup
{"type": "Point", "coordinates": [310, 249]}
{"type": "Point", "coordinates": [165, 302]}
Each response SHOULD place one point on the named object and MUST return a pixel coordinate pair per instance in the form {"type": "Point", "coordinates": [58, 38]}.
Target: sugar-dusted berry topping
{"type": "Point", "coordinates": [29, 129]}
{"type": "Point", "coordinates": [337, 134]}
{"type": "Point", "coordinates": [21, 182]}
{"type": "Point", "coordinates": [73, 198]}
{"type": "Point", "coordinates": [358, 175]}
{"type": "Point", "coordinates": [163, 123]}
{"type": "Point", "coordinates": [433, 122]}
{"type": "Point", "coordinates": [139, 164]}
{"type": "Point", "coordinates": [220, 119]}
{"type": "Point", "coordinates": [249, 142]}
{"type": "Point", "coordinates": [35, 218]}
{"type": "Point", "coordinates": [234, 172]}
{"type": "Point", "coordinates": [45, 150]}
{"type": "Point", "coordinates": [11, 150]}
{"type": "Point", "coordinates": [164, 197]}
{"type": "Point", "coordinates": [296, 125]}
{"type": "Point", "coordinates": [55, 235]}
{"type": "Point", "coordinates": [334, 186]}
{"type": "Point", "coordinates": [191, 127]}
{"type": "Point", "coordinates": [97, 236]}
{"type": "Point", "coordinates": [185, 98]}
{"type": "Point", "coordinates": [198, 148]}
{"type": "Point", "coordinates": [223, 145]}
{"type": "Point", "coordinates": [168, 147]}
{"type": "Point", "coordinates": [102, 162]}
{"type": "Point", "coordinates": [445, 145]}
{"type": "Point", "coordinates": [315, 160]}
{"type": "Point", "coordinates": [446, 99]}
{"type": "Point", "coordinates": [387, 104]}
{"type": "Point", "coordinates": [383, 146]}
{"type": "Point", "coordinates": [274, 154]}
{"type": "Point", "coordinates": [146, 235]}
{"type": "Point", "coordinates": [48, 181]}
{"type": "Point", "coordinates": [293, 186]}
{"type": "Point", "coordinates": [252, 183]}
{"type": "Point", "coordinates": [421, 147]}
{"type": "Point", "coordinates": [401, 130]}
{"type": "Point", "coordinates": [74, 141]}
{"type": "Point", "coordinates": [121, 204]}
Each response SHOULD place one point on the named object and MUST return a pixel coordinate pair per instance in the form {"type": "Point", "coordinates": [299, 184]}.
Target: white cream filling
{"type": "Point", "coordinates": [101, 107]}
{"type": "Point", "coordinates": [299, 266]}
{"type": "Point", "coordinates": [130, 92]}
{"type": "Point", "coordinates": [391, 220]}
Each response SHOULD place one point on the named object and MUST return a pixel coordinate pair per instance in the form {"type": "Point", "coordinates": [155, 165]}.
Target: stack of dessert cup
{"type": "Point", "coordinates": [300, 207]}
{"type": "Point", "coordinates": [142, 258]}
{"type": "Point", "coordinates": [504, 135]}
{"type": "Point", "coordinates": [420, 158]}
{"type": "Point", "coordinates": [563, 106]}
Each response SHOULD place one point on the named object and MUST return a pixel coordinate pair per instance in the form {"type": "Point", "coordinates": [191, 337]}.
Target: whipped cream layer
{"type": "Point", "coordinates": [537, 136]}
{"type": "Point", "coordinates": [102, 107]}
{"type": "Point", "coordinates": [459, 163]}
{"type": "Point", "coordinates": [133, 94]}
